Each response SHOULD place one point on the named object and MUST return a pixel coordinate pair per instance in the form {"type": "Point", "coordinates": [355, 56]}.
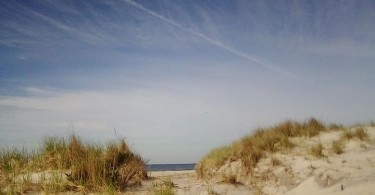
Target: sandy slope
{"type": "Point", "coordinates": [352, 172]}
{"type": "Point", "coordinates": [299, 172]}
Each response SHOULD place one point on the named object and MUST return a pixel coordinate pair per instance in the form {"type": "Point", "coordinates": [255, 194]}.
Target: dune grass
{"type": "Point", "coordinates": [317, 150]}
{"type": "Point", "coordinates": [87, 167]}
{"type": "Point", "coordinates": [251, 148]}
{"type": "Point", "coordinates": [264, 141]}
{"type": "Point", "coordinates": [275, 161]}
{"type": "Point", "coordinates": [348, 134]}
{"type": "Point", "coordinates": [338, 147]}
{"type": "Point", "coordinates": [216, 158]}
{"type": "Point", "coordinates": [165, 187]}
{"type": "Point", "coordinates": [361, 134]}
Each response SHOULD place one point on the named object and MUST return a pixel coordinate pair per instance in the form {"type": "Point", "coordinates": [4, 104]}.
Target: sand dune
{"type": "Point", "coordinates": [295, 171]}
{"type": "Point", "coordinates": [299, 172]}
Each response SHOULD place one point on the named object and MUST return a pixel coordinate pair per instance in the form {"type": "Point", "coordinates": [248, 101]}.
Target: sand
{"type": "Point", "coordinates": [352, 172]}
{"type": "Point", "coordinates": [186, 182]}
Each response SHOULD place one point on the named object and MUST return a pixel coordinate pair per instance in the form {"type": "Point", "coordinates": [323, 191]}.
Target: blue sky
{"type": "Point", "coordinates": [178, 78]}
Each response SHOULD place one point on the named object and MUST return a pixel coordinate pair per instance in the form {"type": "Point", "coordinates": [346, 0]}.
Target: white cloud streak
{"type": "Point", "coordinates": [214, 42]}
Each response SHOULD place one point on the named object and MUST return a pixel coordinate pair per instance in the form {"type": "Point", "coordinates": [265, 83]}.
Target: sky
{"type": "Point", "coordinates": [178, 78]}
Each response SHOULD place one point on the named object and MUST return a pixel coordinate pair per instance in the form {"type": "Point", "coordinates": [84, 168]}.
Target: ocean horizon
{"type": "Point", "coordinates": [171, 167]}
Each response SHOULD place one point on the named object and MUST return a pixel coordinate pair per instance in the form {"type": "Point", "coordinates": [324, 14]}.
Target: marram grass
{"type": "Point", "coordinates": [251, 148]}
{"type": "Point", "coordinates": [88, 167]}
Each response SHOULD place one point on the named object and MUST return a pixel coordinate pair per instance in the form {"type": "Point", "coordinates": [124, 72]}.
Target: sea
{"type": "Point", "coordinates": [170, 167]}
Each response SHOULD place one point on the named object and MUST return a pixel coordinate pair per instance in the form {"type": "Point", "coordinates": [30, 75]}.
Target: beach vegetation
{"type": "Point", "coordinates": [347, 134]}
{"type": "Point", "coordinates": [275, 161]}
{"type": "Point", "coordinates": [253, 147]}
{"type": "Point", "coordinates": [70, 164]}
{"type": "Point", "coordinates": [338, 146]}
{"type": "Point", "coordinates": [229, 179]}
{"type": "Point", "coordinates": [335, 126]}
{"type": "Point", "coordinates": [317, 150]}
{"type": "Point", "coordinates": [361, 134]}
{"type": "Point", "coordinates": [165, 187]}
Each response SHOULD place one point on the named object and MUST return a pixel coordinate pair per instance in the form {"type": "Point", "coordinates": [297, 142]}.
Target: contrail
{"type": "Point", "coordinates": [213, 42]}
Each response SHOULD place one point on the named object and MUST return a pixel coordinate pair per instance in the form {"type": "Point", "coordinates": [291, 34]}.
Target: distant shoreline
{"type": "Point", "coordinates": [171, 167]}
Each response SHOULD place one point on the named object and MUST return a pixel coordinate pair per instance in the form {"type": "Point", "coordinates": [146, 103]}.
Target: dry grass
{"type": "Point", "coordinates": [216, 158]}
{"type": "Point", "coordinates": [335, 126]}
{"type": "Point", "coordinates": [229, 179]}
{"type": "Point", "coordinates": [254, 147]}
{"type": "Point", "coordinates": [347, 134]}
{"type": "Point", "coordinates": [166, 187]}
{"type": "Point", "coordinates": [88, 167]}
{"type": "Point", "coordinates": [275, 161]}
{"type": "Point", "coordinates": [338, 147]}
{"type": "Point", "coordinates": [361, 134]}
{"type": "Point", "coordinates": [317, 150]}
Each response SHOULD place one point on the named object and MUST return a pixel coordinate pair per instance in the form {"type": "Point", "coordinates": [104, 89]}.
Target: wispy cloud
{"type": "Point", "coordinates": [43, 28]}
{"type": "Point", "coordinates": [215, 42]}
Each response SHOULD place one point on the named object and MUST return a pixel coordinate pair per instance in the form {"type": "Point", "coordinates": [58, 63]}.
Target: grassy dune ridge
{"type": "Point", "coordinates": [71, 165]}
{"type": "Point", "coordinates": [252, 148]}
{"type": "Point", "coordinates": [281, 155]}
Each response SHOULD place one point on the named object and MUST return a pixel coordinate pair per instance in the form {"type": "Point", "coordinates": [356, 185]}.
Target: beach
{"type": "Point", "coordinates": [343, 164]}
{"type": "Point", "coordinates": [352, 171]}
{"type": "Point", "coordinates": [186, 182]}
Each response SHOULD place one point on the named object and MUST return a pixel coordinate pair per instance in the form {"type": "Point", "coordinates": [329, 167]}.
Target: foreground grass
{"type": "Point", "coordinates": [252, 148]}
{"type": "Point", "coordinates": [87, 167]}
{"type": "Point", "coordinates": [166, 187]}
